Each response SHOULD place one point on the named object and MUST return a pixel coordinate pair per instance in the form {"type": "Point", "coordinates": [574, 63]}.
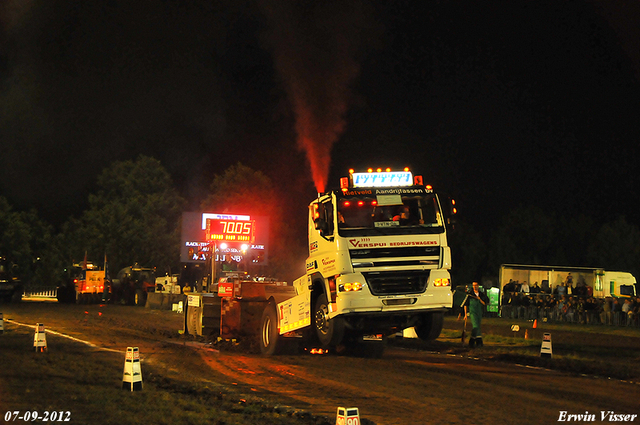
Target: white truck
{"type": "Point", "coordinates": [378, 263]}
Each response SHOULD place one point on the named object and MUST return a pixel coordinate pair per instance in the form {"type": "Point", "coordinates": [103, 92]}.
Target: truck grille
{"type": "Point", "coordinates": [397, 283]}
{"type": "Point", "coordinates": [395, 252]}
{"type": "Point", "coordinates": [396, 257]}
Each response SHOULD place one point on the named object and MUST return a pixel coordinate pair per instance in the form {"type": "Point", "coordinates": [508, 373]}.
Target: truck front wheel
{"type": "Point", "coordinates": [329, 331]}
{"type": "Point", "coordinates": [269, 336]}
{"type": "Point", "coordinates": [429, 326]}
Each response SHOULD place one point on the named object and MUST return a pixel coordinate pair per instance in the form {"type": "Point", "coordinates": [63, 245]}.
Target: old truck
{"type": "Point", "coordinates": [11, 287]}
{"type": "Point", "coordinates": [378, 263]}
{"type": "Point", "coordinates": [133, 283]}
{"type": "Point", "coordinates": [83, 283]}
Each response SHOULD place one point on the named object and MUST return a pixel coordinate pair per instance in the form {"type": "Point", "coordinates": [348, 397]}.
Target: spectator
{"type": "Point", "coordinates": [536, 289]}
{"type": "Point", "coordinates": [627, 311]}
{"type": "Point", "coordinates": [524, 287]}
{"type": "Point", "coordinates": [562, 290]}
{"type": "Point", "coordinates": [605, 316]}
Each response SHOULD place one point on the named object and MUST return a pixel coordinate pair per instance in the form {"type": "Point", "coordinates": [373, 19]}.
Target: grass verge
{"type": "Point", "coordinates": [88, 383]}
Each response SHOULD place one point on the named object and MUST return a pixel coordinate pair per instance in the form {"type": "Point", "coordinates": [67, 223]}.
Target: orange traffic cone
{"type": "Point", "coordinates": [535, 323]}
{"type": "Point", "coordinates": [526, 334]}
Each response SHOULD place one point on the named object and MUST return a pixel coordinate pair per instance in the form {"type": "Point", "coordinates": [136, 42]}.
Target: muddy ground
{"type": "Point", "coordinates": [414, 382]}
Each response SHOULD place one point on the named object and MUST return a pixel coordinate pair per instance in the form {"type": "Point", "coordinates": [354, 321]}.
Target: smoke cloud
{"type": "Point", "coordinates": [314, 47]}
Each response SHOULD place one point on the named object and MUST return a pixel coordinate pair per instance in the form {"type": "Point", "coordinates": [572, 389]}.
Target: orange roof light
{"type": "Point", "coordinates": [379, 170]}
{"type": "Point", "coordinates": [406, 168]}
{"type": "Point", "coordinates": [388, 170]}
{"type": "Point", "coordinates": [370, 170]}
{"type": "Point", "coordinates": [351, 171]}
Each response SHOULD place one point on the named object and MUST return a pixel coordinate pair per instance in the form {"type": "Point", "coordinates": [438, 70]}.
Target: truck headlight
{"type": "Point", "coordinates": [441, 282]}
{"type": "Point", "coordinates": [349, 287]}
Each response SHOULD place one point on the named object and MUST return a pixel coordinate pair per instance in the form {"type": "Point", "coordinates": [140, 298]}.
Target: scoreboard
{"type": "Point", "coordinates": [230, 230]}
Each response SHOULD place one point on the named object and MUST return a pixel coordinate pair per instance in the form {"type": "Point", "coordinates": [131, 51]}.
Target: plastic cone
{"type": "Point", "coordinates": [40, 338]}
{"type": "Point", "coordinates": [545, 348]}
{"type": "Point", "coordinates": [535, 323]}
{"type": "Point", "coordinates": [132, 374]}
{"type": "Point", "coordinates": [348, 415]}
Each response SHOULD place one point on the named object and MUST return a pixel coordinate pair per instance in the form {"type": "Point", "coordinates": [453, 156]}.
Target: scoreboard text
{"type": "Point", "coordinates": [225, 230]}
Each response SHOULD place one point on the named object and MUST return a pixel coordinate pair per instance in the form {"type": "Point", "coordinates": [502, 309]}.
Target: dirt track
{"type": "Point", "coordinates": [405, 386]}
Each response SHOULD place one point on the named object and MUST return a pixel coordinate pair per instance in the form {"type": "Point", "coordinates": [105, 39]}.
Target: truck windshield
{"type": "Point", "coordinates": [367, 215]}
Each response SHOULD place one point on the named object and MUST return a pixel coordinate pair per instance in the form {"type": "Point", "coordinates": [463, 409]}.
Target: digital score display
{"type": "Point", "coordinates": [226, 230]}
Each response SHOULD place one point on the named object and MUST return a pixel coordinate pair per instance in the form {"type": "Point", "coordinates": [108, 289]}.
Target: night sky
{"type": "Point", "coordinates": [497, 103]}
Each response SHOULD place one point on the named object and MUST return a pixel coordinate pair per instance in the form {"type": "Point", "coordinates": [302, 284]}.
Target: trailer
{"type": "Point", "coordinates": [234, 310]}
{"type": "Point", "coordinates": [563, 280]}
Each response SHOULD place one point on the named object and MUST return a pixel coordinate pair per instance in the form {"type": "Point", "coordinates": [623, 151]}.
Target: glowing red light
{"type": "Point", "coordinates": [346, 203]}
{"type": "Point", "coordinates": [360, 203]}
{"type": "Point", "coordinates": [374, 202]}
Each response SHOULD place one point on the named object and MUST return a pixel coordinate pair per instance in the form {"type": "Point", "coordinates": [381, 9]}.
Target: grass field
{"type": "Point", "coordinates": [585, 349]}
{"type": "Point", "coordinates": [87, 383]}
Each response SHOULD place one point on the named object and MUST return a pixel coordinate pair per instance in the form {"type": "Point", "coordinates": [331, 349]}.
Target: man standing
{"type": "Point", "coordinates": [474, 304]}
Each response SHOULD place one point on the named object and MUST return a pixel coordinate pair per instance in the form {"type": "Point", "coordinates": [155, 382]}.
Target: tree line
{"type": "Point", "coordinates": [135, 217]}
{"type": "Point", "coordinates": [531, 235]}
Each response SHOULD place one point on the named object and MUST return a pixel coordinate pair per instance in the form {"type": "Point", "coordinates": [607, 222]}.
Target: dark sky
{"type": "Point", "coordinates": [497, 103]}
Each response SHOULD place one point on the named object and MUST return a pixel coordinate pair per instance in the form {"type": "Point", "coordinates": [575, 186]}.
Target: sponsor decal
{"type": "Point", "coordinates": [366, 243]}
{"type": "Point", "coordinates": [313, 246]}
{"type": "Point", "coordinates": [358, 192]}
{"type": "Point", "coordinates": [413, 243]}
{"type": "Point", "coordinates": [405, 191]}
{"type": "Point", "coordinates": [312, 265]}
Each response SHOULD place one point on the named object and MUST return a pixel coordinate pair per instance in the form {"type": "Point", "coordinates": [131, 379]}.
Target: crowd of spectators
{"type": "Point", "coordinates": [568, 304]}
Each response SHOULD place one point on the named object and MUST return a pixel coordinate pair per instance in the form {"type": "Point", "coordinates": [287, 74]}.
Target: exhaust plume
{"type": "Point", "coordinates": [313, 45]}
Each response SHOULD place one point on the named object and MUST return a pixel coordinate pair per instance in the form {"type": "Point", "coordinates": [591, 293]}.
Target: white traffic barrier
{"type": "Point", "coordinates": [348, 416]}
{"type": "Point", "coordinates": [132, 375]}
{"type": "Point", "coordinates": [1, 325]}
{"type": "Point", "coordinates": [545, 348]}
{"type": "Point", "coordinates": [40, 338]}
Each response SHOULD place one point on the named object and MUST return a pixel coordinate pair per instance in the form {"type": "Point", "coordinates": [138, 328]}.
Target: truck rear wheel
{"type": "Point", "coordinates": [329, 331]}
{"type": "Point", "coordinates": [269, 336]}
{"type": "Point", "coordinates": [430, 326]}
